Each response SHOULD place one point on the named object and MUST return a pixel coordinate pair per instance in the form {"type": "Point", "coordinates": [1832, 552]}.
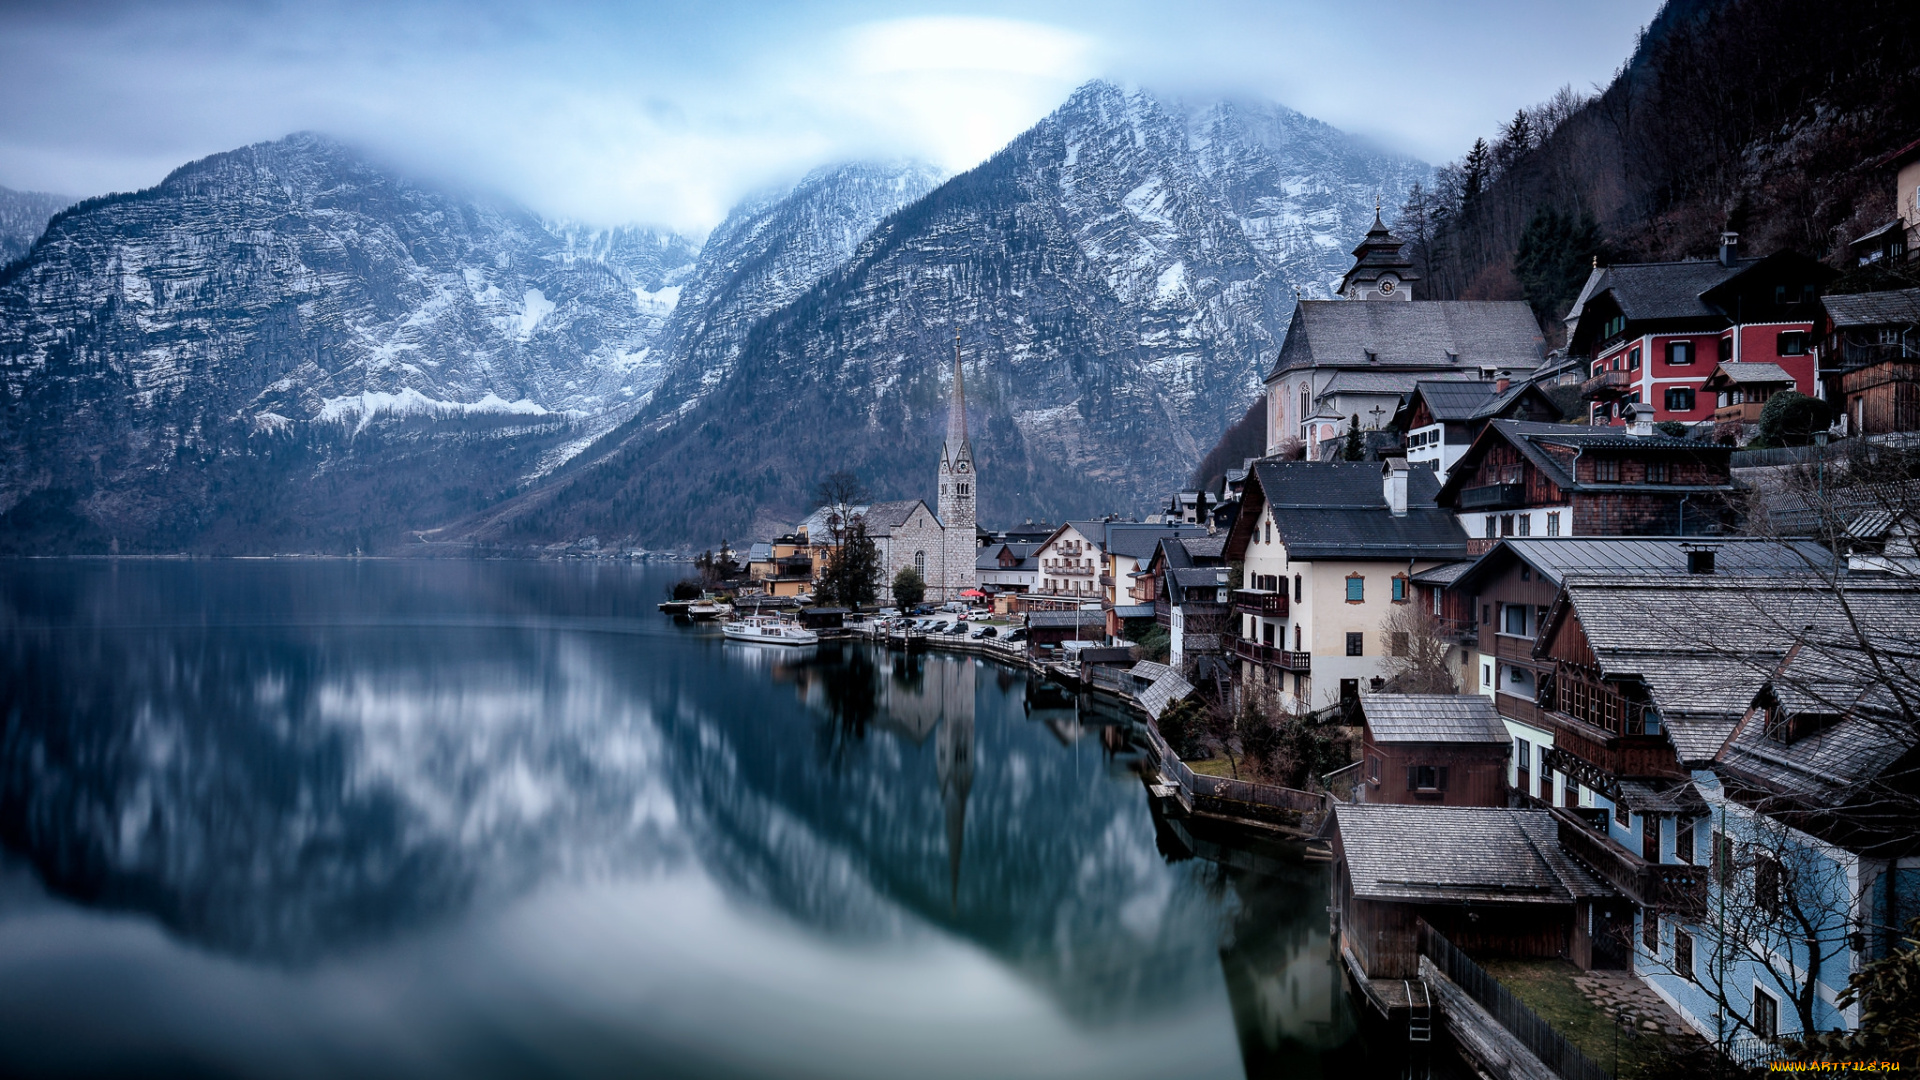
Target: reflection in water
{"type": "Point", "coordinates": [520, 808]}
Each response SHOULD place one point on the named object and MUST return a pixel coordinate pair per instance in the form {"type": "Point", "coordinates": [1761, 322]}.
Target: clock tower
{"type": "Point", "coordinates": [1381, 269]}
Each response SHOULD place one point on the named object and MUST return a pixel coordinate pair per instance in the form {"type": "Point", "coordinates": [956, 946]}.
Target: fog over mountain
{"type": "Point", "coordinates": [293, 347]}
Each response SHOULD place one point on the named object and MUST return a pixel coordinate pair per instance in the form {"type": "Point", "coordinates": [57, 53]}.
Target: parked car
{"type": "Point", "coordinates": [1018, 633]}
{"type": "Point", "coordinates": [985, 632]}
{"type": "Point", "coordinates": [938, 626]}
{"type": "Point", "coordinates": [980, 613]}
{"type": "Point", "coordinates": [957, 628]}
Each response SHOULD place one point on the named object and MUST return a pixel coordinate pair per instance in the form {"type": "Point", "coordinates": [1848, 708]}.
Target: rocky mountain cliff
{"type": "Point", "coordinates": [1116, 276]}
{"type": "Point", "coordinates": [288, 345]}
{"type": "Point", "coordinates": [23, 217]}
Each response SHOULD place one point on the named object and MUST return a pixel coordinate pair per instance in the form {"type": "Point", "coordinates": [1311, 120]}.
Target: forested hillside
{"type": "Point", "coordinates": [1765, 117]}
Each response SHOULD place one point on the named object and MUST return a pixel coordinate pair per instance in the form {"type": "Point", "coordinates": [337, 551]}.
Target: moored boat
{"type": "Point", "coordinates": [769, 630]}
{"type": "Point", "coordinates": [707, 609]}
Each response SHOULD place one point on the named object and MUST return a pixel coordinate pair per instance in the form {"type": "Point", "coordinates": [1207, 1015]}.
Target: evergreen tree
{"type": "Point", "coordinates": [1478, 172]}
{"type": "Point", "coordinates": [1355, 450]}
{"type": "Point", "coordinates": [908, 587]}
{"type": "Point", "coordinates": [1556, 252]}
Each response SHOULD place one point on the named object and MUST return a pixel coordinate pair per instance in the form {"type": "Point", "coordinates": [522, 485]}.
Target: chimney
{"type": "Point", "coordinates": [1393, 477]}
{"type": "Point", "coordinates": [1640, 420]}
{"type": "Point", "coordinates": [1729, 248]}
{"type": "Point", "coordinates": [1501, 382]}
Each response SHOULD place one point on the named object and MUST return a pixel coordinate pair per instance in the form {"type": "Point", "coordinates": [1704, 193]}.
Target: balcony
{"type": "Point", "coordinates": [1493, 496]}
{"type": "Point", "coordinates": [1746, 412]}
{"type": "Point", "coordinates": [1264, 602]}
{"type": "Point", "coordinates": [1106, 581]}
{"type": "Point", "coordinates": [1607, 385]}
{"type": "Point", "coordinates": [1674, 887]}
{"type": "Point", "coordinates": [1069, 571]}
{"type": "Point", "coordinates": [1284, 659]}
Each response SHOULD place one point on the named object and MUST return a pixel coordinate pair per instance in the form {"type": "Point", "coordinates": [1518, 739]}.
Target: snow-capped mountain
{"type": "Point", "coordinates": [23, 217]}
{"type": "Point", "coordinates": [293, 295]}
{"type": "Point", "coordinates": [1118, 276]}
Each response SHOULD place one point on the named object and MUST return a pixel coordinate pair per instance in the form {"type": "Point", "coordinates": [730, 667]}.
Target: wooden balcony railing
{"type": "Point", "coordinates": [1265, 602]}
{"type": "Point", "coordinates": [1607, 384]}
{"type": "Point", "coordinates": [1492, 496]}
{"type": "Point", "coordinates": [1677, 887]}
{"type": "Point", "coordinates": [1284, 659]}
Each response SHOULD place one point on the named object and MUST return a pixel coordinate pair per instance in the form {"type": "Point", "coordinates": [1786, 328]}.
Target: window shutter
{"type": "Point", "coordinates": [1442, 783]}
{"type": "Point", "coordinates": [1413, 778]}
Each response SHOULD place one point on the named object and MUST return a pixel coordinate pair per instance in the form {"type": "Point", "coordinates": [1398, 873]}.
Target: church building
{"type": "Point", "coordinates": [940, 547]}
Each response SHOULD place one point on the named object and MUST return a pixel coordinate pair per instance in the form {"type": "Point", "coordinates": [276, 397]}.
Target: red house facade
{"type": "Point", "coordinates": [1652, 333]}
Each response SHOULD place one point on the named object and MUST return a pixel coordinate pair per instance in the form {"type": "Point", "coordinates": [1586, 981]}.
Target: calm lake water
{"type": "Point", "coordinates": [302, 818]}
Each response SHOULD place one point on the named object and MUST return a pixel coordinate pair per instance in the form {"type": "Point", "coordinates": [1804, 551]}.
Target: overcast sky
{"type": "Point", "coordinates": [668, 112]}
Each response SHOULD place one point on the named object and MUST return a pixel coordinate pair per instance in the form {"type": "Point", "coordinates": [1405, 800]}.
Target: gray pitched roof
{"type": "Point", "coordinates": [1203, 547]}
{"type": "Point", "coordinates": [1741, 374]}
{"type": "Point", "coordinates": [1388, 382]}
{"type": "Point", "coordinates": [1138, 540]}
{"type": "Point", "coordinates": [1531, 438]}
{"type": "Point", "coordinates": [1094, 619]}
{"type": "Point", "coordinates": [1460, 401]}
{"type": "Point", "coordinates": [1424, 718]}
{"type": "Point", "coordinates": [1444, 574]}
{"type": "Point", "coordinates": [1418, 333]}
{"type": "Point", "coordinates": [1458, 854]}
{"type": "Point", "coordinates": [1168, 687]}
{"type": "Point", "coordinates": [1894, 306]}
{"type": "Point", "coordinates": [1338, 509]}
{"type": "Point", "coordinates": [1662, 290]}
{"type": "Point", "coordinates": [1557, 558]}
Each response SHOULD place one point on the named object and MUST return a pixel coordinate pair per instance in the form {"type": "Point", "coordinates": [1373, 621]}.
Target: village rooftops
{"type": "Point", "coordinates": [1692, 293]}
{"type": "Point", "coordinates": [1419, 335]}
{"type": "Point", "coordinates": [1461, 401]}
{"type": "Point", "coordinates": [1556, 559]}
{"type": "Point", "coordinates": [1094, 619]}
{"type": "Point", "coordinates": [1751, 374]}
{"type": "Point", "coordinates": [1339, 510]}
{"type": "Point", "coordinates": [1019, 556]}
{"type": "Point", "coordinates": [1534, 440]}
{"type": "Point", "coordinates": [881, 518]}
{"type": "Point", "coordinates": [1889, 308]}
{"type": "Point", "coordinates": [1457, 854]}
{"type": "Point", "coordinates": [1433, 718]}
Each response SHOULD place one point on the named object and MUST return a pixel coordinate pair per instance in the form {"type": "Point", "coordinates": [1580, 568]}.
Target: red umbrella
{"type": "Point", "coordinates": [973, 592]}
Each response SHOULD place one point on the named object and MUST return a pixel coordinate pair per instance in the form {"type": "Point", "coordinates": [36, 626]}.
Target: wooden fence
{"type": "Point", "coordinates": [1538, 1036]}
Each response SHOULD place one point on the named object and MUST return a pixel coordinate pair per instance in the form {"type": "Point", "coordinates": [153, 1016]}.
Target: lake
{"type": "Point", "coordinates": [475, 819]}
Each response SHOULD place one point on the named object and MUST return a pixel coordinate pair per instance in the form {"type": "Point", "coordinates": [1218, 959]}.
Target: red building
{"type": "Point", "coordinates": [1653, 332]}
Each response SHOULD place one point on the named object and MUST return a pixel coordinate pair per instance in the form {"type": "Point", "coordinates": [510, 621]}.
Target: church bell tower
{"type": "Point", "coordinates": [957, 492]}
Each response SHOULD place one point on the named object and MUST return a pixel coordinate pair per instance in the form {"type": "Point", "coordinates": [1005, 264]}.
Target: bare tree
{"type": "Point", "coordinates": [1419, 652]}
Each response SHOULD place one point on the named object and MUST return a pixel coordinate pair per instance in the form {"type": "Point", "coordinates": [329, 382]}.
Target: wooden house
{"type": "Point", "coordinates": [1870, 359]}
{"type": "Point", "coordinates": [1740, 393]}
{"type": "Point", "coordinates": [1441, 418]}
{"type": "Point", "coordinates": [1436, 749]}
{"type": "Point", "coordinates": [1494, 881]}
{"type": "Point", "coordinates": [1525, 479]}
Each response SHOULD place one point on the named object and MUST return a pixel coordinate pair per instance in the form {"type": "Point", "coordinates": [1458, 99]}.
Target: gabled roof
{"type": "Point", "coordinates": [1531, 439]}
{"type": "Point", "coordinates": [1431, 335]}
{"type": "Point", "coordinates": [1094, 618]}
{"type": "Point", "coordinates": [881, 517]}
{"type": "Point", "coordinates": [988, 557]}
{"type": "Point", "coordinates": [1338, 509]}
{"type": "Point", "coordinates": [1556, 559]}
{"type": "Point", "coordinates": [1661, 290]}
{"type": "Point", "coordinates": [1748, 374]}
{"type": "Point", "coordinates": [1457, 855]}
{"type": "Point", "coordinates": [1429, 718]}
{"type": "Point", "coordinates": [1451, 401]}
{"type": "Point", "coordinates": [1892, 307]}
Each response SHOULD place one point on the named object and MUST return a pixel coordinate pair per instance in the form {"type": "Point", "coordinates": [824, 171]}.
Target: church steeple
{"type": "Point", "coordinates": [957, 447]}
{"type": "Point", "coordinates": [1381, 269]}
{"type": "Point", "coordinates": [957, 492]}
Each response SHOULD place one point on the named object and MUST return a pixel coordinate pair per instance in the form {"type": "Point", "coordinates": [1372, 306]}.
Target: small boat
{"type": "Point", "coordinates": [769, 630]}
{"type": "Point", "coordinates": [707, 609]}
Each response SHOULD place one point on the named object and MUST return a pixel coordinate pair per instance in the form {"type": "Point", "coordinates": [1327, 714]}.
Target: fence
{"type": "Point", "coordinates": [1751, 1052]}
{"type": "Point", "coordinates": [1243, 798]}
{"type": "Point", "coordinates": [1538, 1036]}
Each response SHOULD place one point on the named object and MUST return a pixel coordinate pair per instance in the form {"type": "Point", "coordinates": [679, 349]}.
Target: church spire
{"type": "Point", "coordinates": [957, 419]}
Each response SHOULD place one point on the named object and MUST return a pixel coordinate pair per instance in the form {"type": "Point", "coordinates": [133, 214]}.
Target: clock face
{"type": "Point", "coordinates": [1386, 286]}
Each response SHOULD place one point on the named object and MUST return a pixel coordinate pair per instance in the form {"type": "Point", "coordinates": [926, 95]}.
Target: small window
{"type": "Point", "coordinates": [1486, 614]}
{"type": "Point", "coordinates": [1622, 816]}
{"type": "Point", "coordinates": [1522, 754]}
{"type": "Point", "coordinates": [1526, 572]}
{"type": "Point", "coordinates": [1766, 1014]}
{"type": "Point", "coordinates": [1683, 841]}
{"type": "Point", "coordinates": [1515, 620]}
{"type": "Point", "coordinates": [1606, 470]}
{"type": "Point", "coordinates": [1679, 399]}
{"type": "Point", "coordinates": [1766, 884]}
{"type": "Point", "coordinates": [1373, 768]}
{"type": "Point", "coordinates": [1436, 599]}
{"type": "Point", "coordinates": [1356, 644]}
{"type": "Point", "coordinates": [1493, 527]}
{"type": "Point", "coordinates": [1726, 350]}
{"type": "Point", "coordinates": [1553, 523]}
{"type": "Point", "coordinates": [1525, 523]}
{"type": "Point", "coordinates": [1400, 584]}
{"type": "Point", "coordinates": [1633, 358]}
{"type": "Point", "coordinates": [1269, 531]}
{"type": "Point", "coordinates": [1792, 343]}
{"type": "Point", "coordinates": [1356, 589]}
{"type": "Point", "coordinates": [1659, 472]}
{"type": "Point", "coordinates": [1506, 524]}
{"type": "Point", "coordinates": [1650, 931]}
{"type": "Point", "coordinates": [1679, 353]}
{"type": "Point", "coordinates": [1426, 778]}
{"type": "Point", "coordinates": [1296, 588]}
{"type": "Point", "coordinates": [1683, 954]}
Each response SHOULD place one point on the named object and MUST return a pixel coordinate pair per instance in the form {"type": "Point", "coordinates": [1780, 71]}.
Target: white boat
{"type": "Point", "coordinates": [707, 608]}
{"type": "Point", "coordinates": [770, 630]}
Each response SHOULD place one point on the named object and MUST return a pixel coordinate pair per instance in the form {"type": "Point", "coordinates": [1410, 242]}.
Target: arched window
{"type": "Point", "coordinates": [920, 564]}
{"type": "Point", "coordinates": [1306, 402]}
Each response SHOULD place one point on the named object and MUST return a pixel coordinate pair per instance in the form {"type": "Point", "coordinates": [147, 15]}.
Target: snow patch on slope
{"type": "Point", "coordinates": [365, 406]}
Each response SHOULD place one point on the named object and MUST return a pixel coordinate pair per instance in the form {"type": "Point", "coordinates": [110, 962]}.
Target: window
{"type": "Point", "coordinates": [1766, 884]}
{"type": "Point", "coordinates": [1399, 642]}
{"type": "Point", "coordinates": [1650, 931]}
{"type": "Point", "coordinates": [1296, 644]}
{"type": "Point", "coordinates": [1633, 358]}
{"type": "Point", "coordinates": [1296, 588]}
{"type": "Point", "coordinates": [1525, 521]}
{"type": "Point", "coordinates": [1526, 572]}
{"type": "Point", "coordinates": [1679, 399]}
{"type": "Point", "coordinates": [1722, 857]}
{"type": "Point", "coordinates": [1683, 954]}
{"type": "Point", "coordinates": [1791, 343]}
{"type": "Point", "coordinates": [1269, 528]}
{"type": "Point", "coordinates": [1766, 1014]}
{"type": "Point", "coordinates": [1683, 841]}
{"type": "Point", "coordinates": [1680, 353]}
{"type": "Point", "coordinates": [1305, 402]}
{"type": "Point", "coordinates": [1553, 523]}
{"type": "Point", "coordinates": [1400, 586]}
{"type": "Point", "coordinates": [1266, 631]}
{"type": "Point", "coordinates": [1659, 472]}
{"type": "Point", "coordinates": [1356, 589]}
{"type": "Point", "coordinates": [1493, 526]}
{"type": "Point", "coordinates": [1426, 778]}
{"type": "Point", "coordinates": [1486, 614]}
{"type": "Point", "coordinates": [1356, 644]}
{"type": "Point", "coordinates": [1486, 674]}
{"type": "Point", "coordinates": [1436, 599]}
{"type": "Point", "coordinates": [1622, 816]}
{"type": "Point", "coordinates": [1373, 768]}
{"type": "Point", "coordinates": [1726, 350]}
{"type": "Point", "coordinates": [1513, 620]}
{"type": "Point", "coordinates": [1506, 524]}
{"type": "Point", "coordinates": [1522, 754]}
{"type": "Point", "coordinates": [1606, 470]}
{"type": "Point", "coordinates": [920, 564]}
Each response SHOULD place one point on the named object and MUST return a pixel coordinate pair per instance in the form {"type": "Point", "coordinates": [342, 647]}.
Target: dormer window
{"type": "Point", "coordinates": [1372, 357]}
{"type": "Point", "coordinates": [1784, 726]}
